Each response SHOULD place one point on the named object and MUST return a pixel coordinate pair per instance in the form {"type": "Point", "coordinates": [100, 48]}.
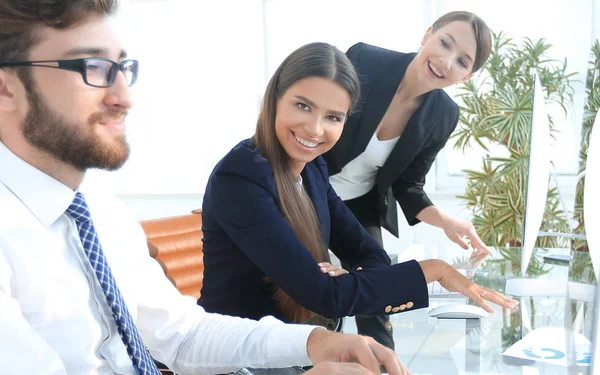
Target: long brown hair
{"type": "Point", "coordinates": [483, 36]}
{"type": "Point", "coordinates": [311, 60]}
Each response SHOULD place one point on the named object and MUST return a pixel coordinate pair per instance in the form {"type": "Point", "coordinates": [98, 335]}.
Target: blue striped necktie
{"type": "Point", "coordinates": [142, 361]}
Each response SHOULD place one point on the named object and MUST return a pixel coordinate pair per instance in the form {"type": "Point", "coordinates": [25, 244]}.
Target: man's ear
{"type": "Point", "coordinates": [426, 36]}
{"type": "Point", "coordinates": [8, 86]}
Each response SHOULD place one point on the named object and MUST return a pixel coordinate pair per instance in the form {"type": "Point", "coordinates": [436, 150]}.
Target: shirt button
{"type": "Point", "coordinates": [385, 200]}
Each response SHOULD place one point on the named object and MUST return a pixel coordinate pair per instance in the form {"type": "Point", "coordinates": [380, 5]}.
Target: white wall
{"type": "Point", "coordinates": [204, 66]}
{"type": "Point", "coordinates": [201, 77]}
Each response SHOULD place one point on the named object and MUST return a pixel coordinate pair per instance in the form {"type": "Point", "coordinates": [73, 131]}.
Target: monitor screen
{"type": "Point", "coordinates": [592, 223]}
{"type": "Point", "coordinates": [538, 174]}
{"type": "Point", "coordinates": [591, 200]}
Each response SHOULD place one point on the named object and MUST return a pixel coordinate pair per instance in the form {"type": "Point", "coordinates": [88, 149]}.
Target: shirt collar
{"type": "Point", "coordinates": [45, 197]}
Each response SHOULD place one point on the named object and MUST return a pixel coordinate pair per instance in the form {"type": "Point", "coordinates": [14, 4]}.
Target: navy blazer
{"type": "Point", "coordinates": [246, 239]}
{"type": "Point", "coordinates": [402, 176]}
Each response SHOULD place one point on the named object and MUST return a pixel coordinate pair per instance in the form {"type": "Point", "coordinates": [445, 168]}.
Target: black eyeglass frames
{"type": "Point", "coordinates": [95, 71]}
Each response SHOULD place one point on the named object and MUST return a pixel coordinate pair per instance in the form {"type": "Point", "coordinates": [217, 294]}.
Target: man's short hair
{"type": "Point", "coordinates": [21, 19]}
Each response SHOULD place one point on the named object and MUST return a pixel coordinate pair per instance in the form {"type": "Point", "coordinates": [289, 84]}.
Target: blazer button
{"type": "Point", "coordinates": [388, 325]}
{"type": "Point", "coordinates": [396, 309]}
{"type": "Point", "coordinates": [385, 200]}
{"type": "Point", "coordinates": [402, 307]}
{"type": "Point", "coordinates": [409, 305]}
{"type": "Point", "coordinates": [388, 309]}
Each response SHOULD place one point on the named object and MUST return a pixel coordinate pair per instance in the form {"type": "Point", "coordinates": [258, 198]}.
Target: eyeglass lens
{"type": "Point", "coordinates": [102, 73]}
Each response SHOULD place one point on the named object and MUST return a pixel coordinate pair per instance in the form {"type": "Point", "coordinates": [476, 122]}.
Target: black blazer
{"type": "Point", "coordinates": [246, 239]}
{"type": "Point", "coordinates": [403, 175]}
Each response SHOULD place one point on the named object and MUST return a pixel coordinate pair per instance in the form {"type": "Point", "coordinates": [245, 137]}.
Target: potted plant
{"type": "Point", "coordinates": [495, 114]}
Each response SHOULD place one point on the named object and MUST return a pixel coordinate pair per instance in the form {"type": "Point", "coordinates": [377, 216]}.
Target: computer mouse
{"type": "Point", "coordinates": [458, 311]}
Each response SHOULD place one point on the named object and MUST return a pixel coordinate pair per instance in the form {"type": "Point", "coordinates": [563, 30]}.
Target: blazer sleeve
{"type": "Point", "coordinates": [249, 215]}
{"type": "Point", "coordinates": [408, 188]}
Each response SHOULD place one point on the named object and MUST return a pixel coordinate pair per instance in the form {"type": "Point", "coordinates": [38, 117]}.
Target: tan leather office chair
{"type": "Point", "coordinates": [176, 243]}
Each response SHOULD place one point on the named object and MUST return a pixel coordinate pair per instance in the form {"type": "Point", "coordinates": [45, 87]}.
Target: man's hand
{"type": "Point", "coordinates": [327, 346]}
{"type": "Point", "coordinates": [337, 368]}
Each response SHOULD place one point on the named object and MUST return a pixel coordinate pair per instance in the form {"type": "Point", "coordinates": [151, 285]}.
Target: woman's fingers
{"type": "Point", "coordinates": [331, 270]}
{"type": "Point", "coordinates": [480, 295]}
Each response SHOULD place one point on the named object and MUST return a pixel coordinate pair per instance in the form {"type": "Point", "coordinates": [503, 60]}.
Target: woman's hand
{"type": "Point", "coordinates": [457, 230]}
{"type": "Point", "coordinates": [331, 270]}
{"type": "Point", "coordinates": [454, 281]}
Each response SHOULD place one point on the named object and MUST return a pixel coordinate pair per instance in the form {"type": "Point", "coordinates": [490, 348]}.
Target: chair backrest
{"type": "Point", "coordinates": [176, 243]}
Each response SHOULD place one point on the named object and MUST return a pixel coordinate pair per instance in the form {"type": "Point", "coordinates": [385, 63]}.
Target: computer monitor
{"type": "Point", "coordinates": [591, 199]}
{"type": "Point", "coordinates": [538, 174]}
{"type": "Point", "coordinates": [536, 194]}
{"type": "Point", "coordinates": [591, 217]}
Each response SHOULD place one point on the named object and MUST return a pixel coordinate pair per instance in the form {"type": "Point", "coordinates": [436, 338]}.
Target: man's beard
{"type": "Point", "coordinates": [75, 144]}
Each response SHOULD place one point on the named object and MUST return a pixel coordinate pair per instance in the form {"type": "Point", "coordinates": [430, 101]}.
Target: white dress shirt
{"type": "Point", "coordinates": [53, 315]}
{"type": "Point", "coordinates": [357, 178]}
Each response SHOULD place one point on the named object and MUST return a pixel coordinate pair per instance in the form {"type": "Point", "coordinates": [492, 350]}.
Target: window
{"type": "Point", "coordinates": [400, 25]}
{"type": "Point", "coordinates": [201, 78]}
{"type": "Point", "coordinates": [568, 27]}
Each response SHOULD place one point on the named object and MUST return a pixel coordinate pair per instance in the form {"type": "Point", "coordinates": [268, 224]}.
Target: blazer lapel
{"type": "Point", "coordinates": [411, 141]}
{"type": "Point", "coordinates": [313, 184]}
{"type": "Point", "coordinates": [378, 100]}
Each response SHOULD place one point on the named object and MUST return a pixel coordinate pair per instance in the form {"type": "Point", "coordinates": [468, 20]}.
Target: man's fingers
{"type": "Point", "coordinates": [389, 359]}
{"type": "Point", "coordinates": [337, 368]}
{"type": "Point", "coordinates": [365, 355]}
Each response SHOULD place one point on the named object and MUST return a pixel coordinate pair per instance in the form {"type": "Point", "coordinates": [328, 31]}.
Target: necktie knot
{"type": "Point", "coordinates": [79, 209]}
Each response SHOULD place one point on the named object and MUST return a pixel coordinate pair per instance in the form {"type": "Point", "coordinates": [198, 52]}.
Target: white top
{"type": "Point", "coordinates": [357, 178]}
{"type": "Point", "coordinates": [53, 317]}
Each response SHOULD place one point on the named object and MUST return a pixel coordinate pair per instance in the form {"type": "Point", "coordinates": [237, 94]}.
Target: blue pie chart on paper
{"type": "Point", "coordinates": [549, 353]}
{"type": "Point", "coordinates": [587, 358]}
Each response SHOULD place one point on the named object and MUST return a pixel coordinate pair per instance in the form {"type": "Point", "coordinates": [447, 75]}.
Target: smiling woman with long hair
{"type": "Point", "coordinates": [270, 214]}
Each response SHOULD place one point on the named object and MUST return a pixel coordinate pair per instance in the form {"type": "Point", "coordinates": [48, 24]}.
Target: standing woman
{"type": "Point", "coordinates": [403, 120]}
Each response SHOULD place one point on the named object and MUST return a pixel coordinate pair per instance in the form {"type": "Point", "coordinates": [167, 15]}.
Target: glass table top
{"type": "Point", "coordinates": [472, 346]}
